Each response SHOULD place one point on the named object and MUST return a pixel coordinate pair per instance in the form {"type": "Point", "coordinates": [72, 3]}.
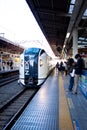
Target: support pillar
{"type": "Point", "coordinates": [75, 42]}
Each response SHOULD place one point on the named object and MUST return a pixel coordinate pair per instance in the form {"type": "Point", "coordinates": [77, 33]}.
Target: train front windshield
{"type": "Point", "coordinates": [31, 51]}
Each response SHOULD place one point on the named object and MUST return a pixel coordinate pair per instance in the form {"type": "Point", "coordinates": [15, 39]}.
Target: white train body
{"type": "Point", "coordinates": [35, 66]}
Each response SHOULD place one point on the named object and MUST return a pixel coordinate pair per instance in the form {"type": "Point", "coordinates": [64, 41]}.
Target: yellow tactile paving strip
{"type": "Point", "coordinates": [65, 121]}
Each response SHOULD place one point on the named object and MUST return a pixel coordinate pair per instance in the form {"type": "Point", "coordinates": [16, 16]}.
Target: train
{"type": "Point", "coordinates": [35, 66]}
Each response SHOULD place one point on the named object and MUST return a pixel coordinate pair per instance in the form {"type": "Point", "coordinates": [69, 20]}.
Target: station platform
{"type": "Point", "coordinates": [53, 108]}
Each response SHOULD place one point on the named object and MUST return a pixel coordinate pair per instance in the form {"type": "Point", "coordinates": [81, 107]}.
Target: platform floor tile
{"type": "Point", "coordinates": [42, 113]}
{"type": "Point", "coordinates": [78, 107]}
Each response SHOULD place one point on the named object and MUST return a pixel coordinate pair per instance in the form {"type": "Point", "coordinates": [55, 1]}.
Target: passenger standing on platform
{"type": "Point", "coordinates": [11, 64]}
{"type": "Point", "coordinates": [3, 66]}
{"type": "Point", "coordinates": [7, 65]}
{"type": "Point", "coordinates": [57, 65]}
{"type": "Point", "coordinates": [66, 68]}
{"type": "Point", "coordinates": [78, 71]}
{"type": "Point", "coordinates": [61, 67]}
{"type": "Point", "coordinates": [72, 73]}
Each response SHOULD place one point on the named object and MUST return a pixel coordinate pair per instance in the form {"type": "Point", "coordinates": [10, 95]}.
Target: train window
{"type": "Point", "coordinates": [42, 51]}
{"type": "Point", "coordinates": [26, 58]}
{"type": "Point", "coordinates": [31, 50]}
{"type": "Point", "coordinates": [31, 57]}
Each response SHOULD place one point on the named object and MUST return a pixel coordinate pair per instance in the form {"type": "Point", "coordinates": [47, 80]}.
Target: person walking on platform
{"type": "Point", "coordinates": [78, 71]}
{"type": "Point", "coordinates": [72, 74]}
{"type": "Point", "coordinates": [57, 65]}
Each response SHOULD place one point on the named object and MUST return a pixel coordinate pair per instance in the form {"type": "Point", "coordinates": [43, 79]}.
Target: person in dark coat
{"type": "Point", "coordinates": [11, 64]}
{"type": "Point", "coordinates": [79, 66]}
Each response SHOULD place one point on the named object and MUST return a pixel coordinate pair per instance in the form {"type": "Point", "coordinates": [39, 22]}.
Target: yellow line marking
{"type": "Point", "coordinates": [65, 121]}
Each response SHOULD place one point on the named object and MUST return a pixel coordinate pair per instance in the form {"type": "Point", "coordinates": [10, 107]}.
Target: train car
{"type": "Point", "coordinates": [35, 66]}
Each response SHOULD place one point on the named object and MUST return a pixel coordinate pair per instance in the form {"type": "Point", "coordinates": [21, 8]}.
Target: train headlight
{"type": "Point", "coordinates": [41, 62]}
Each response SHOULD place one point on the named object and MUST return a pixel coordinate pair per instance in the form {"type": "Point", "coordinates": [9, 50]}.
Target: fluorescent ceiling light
{"type": "Point", "coordinates": [67, 35]}
{"type": "Point", "coordinates": [64, 46]}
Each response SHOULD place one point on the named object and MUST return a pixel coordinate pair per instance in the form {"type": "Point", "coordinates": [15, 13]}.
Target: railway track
{"type": "Point", "coordinates": [10, 111]}
{"type": "Point", "coordinates": [8, 80]}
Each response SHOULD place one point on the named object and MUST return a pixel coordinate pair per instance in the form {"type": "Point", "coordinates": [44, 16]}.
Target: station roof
{"type": "Point", "coordinates": [57, 18]}
{"type": "Point", "coordinates": [9, 47]}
